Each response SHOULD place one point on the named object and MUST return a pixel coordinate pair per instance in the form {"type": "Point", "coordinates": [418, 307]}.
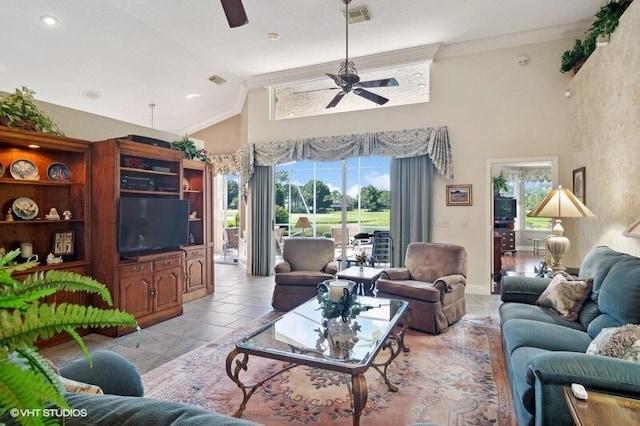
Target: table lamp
{"type": "Point", "coordinates": [557, 204]}
{"type": "Point", "coordinates": [303, 223]}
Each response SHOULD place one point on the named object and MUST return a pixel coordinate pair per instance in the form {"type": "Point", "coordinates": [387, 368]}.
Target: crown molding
{"type": "Point", "coordinates": [235, 109]}
{"type": "Point", "coordinates": [522, 38]}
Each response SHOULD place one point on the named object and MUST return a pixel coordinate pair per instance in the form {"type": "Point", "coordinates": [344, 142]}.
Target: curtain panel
{"type": "Point", "coordinates": [412, 183]}
{"type": "Point", "coordinates": [262, 220]}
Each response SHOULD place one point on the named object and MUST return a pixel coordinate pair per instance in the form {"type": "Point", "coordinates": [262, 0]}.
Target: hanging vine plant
{"type": "Point", "coordinates": [19, 111]}
{"type": "Point", "coordinates": [606, 21]}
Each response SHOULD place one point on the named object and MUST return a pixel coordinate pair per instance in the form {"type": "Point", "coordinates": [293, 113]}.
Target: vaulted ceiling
{"type": "Point", "coordinates": [116, 57]}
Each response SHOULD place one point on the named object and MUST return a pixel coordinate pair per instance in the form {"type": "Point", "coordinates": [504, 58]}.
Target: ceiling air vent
{"type": "Point", "coordinates": [359, 14]}
{"type": "Point", "coordinates": [217, 80]}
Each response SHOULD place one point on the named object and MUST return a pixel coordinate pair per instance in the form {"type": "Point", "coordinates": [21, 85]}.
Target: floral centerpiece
{"type": "Point", "coordinates": [361, 260]}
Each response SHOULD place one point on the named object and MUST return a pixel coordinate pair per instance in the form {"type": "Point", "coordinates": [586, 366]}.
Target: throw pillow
{"type": "Point", "coordinates": [72, 386]}
{"type": "Point", "coordinates": [617, 342]}
{"type": "Point", "coordinates": [597, 344]}
{"type": "Point", "coordinates": [565, 295]}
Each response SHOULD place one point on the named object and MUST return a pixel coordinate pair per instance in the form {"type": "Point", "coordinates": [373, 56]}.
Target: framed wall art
{"type": "Point", "coordinates": [459, 195]}
{"type": "Point", "coordinates": [63, 243]}
{"type": "Point", "coordinates": [580, 184]}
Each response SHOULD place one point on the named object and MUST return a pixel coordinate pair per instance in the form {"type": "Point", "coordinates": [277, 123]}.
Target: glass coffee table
{"type": "Point", "coordinates": [303, 337]}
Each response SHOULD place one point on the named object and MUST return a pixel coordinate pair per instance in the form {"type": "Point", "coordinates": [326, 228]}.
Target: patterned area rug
{"type": "Point", "coordinates": [455, 378]}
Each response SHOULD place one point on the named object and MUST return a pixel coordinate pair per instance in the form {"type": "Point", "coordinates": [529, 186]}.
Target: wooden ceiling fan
{"type": "Point", "coordinates": [235, 13]}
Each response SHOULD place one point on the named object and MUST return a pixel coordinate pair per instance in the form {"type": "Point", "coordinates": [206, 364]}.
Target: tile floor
{"type": "Point", "coordinates": [238, 299]}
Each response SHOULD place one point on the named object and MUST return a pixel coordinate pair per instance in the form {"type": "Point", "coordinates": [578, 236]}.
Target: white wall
{"type": "Point", "coordinates": [493, 107]}
{"type": "Point", "coordinates": [91, 127]}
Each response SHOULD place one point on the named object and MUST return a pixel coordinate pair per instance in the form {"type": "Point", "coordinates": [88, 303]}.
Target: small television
{"type": "Point", "coordinates": [504, 208]}
{"type": "Point", "coordinates": [147, 225]}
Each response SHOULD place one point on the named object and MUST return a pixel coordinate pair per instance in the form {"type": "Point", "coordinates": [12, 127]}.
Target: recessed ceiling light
{"type": "Point", "coordinates": [49, 20]}
{"type": "Point", "coordinates": [91, 94]}
{"type": "Point", "coordinates": [33, 145]}
{"type": "Point", "coordinates": [417, 74]}
{"type": "Point", "coordinates": [422, 84]}
{"type": "Point", "coordinates": [273, 36]}
{"type": "Point", "coordinates": [193, 96]}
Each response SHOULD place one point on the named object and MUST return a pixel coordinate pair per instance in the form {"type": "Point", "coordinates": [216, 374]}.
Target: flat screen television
{"type": "Point", "coordinates": [147, 225]}
{"type": "Point", "coordinates": [504, 208]}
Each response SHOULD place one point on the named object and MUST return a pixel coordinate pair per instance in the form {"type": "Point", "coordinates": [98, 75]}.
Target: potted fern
{"type": "Point", "coordinates": [28, 384]}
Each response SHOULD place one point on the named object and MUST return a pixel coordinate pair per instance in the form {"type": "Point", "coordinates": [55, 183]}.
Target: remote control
{"type": "Point", "coordinates": [579, 391]}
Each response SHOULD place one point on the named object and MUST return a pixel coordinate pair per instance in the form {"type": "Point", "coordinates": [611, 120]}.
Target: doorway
{"type": "Point", "coordinates": [516, 242]}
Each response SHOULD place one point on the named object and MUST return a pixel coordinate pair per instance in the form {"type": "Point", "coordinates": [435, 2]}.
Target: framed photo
{"type": "Point", "coordinates": [459, 195]}
{"type": "Point", "coordinates": [63, 243]}
{"type": "Point", "coordinates": [580, 184]}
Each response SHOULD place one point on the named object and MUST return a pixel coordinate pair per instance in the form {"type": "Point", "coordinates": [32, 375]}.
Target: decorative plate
{"type": "Point", "coordinates": [25, 208]}
{"type": "Point", "coordinates": [58, 172]}
{"type": "Point", "coordinates": [24, 170]}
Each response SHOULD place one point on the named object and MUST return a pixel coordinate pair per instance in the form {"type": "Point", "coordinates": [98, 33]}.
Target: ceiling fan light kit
{"type": "Point", "coordinates": [348, 80]}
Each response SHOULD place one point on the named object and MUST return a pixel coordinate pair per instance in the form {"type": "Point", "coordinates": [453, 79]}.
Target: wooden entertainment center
{"type": "Point", "coordinates": [88, 180]}
{"type": "Point", "coordinates": [152, 287]}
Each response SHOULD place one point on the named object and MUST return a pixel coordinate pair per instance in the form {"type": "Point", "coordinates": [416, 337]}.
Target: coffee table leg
{"type": "Point", "coordinates": [233, 371]}
{"type": "Point", "coordinates": [359, 394]}
{"type": "Point", "coordinates": [394, 344]}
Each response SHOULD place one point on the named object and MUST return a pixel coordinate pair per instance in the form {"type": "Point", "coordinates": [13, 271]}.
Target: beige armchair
{"type": "Point", "coordinates": [433, 282]}
{"type": "Point", "coordinates": [306, 263]}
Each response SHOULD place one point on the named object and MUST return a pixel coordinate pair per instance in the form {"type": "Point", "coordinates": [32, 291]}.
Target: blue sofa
{"type": "Point", "coordinates": [123, 402]}
{"type": "Point", "coordinates": [545, 352]}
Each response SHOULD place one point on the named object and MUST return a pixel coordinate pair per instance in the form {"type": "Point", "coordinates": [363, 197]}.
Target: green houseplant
{"type": "Point", "coordinates": [27, 381]}
{"type": "Point", "coordinates": [606, 21]}
{"type": "Point", "coordinates": [500, 184]}
{"type": "Point", "coordinates": [190, 150]}
{"type": "Point", "coordinates": [20, 111]}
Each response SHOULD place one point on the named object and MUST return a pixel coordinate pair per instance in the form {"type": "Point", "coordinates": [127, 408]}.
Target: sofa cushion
{"type": "Point", "coordinates": [509, 311]}
{"type": "Point", "coordinates": [565, 295]}
{"type": "Point", "coordinates": [409, 288]}
{"type": "Point", "coordinates": [620, 291]}
{"type": "Point", "coordinates": [597, 264]}
{"type": "Point", "coordinates": [304, 278]}
{"type": "Point", "coordinates": [520, 333]}
{"type": "Point", "coordinates": [603, 321]}
{"type": "Point", "coordinates": [308, 254]}
{"type": "Point", "coordinates": [429, 261]}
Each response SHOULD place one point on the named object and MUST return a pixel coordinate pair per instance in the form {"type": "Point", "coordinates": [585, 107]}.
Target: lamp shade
{"type": "Point", "coordinates": [560, 203]}
{"type": "Point", "coordinates": [303, 223]}
{"type": "Point", "coordinates": [633, 231]}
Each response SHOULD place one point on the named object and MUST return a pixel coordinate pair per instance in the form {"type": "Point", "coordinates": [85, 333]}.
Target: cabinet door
{"type": "Point", "coordinates": [167, 289]}
{"type": "Point", "coordinates": [195, 274]}
{"type": "Point", "coordinates": [137, 294]}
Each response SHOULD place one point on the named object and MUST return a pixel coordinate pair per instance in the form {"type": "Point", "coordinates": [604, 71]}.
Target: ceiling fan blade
{"type": "Point", "coordinates": [336, 78]}
{"type": "Point", "coordinates": [337, 98]}
{"type": "Point", "coordinates": [371, 96]}
{"type": "Point", "coordinates": [316, 90]}
{"type": "Point", "coordinates": [385, 82]}
{"type": "Point", "coordinates": [234, 10]}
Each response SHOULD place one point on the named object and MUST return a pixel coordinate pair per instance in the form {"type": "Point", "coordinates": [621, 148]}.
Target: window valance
{"type": "Point", "coordinates": [226, 163]}
{"type": "Point", "coordinates": [431, 141]}
{"type": "Point", "coordinates": [527, 174]}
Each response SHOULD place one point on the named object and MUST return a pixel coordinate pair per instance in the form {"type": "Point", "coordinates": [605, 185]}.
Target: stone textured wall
{"type": "Point", "coordinates": [606, 115]}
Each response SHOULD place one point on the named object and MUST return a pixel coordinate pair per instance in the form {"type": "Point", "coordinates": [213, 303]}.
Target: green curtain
{"type": "Point", "coordinates": [262, 218]}
{"type": "Point", "coordinates": [411, 192]}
